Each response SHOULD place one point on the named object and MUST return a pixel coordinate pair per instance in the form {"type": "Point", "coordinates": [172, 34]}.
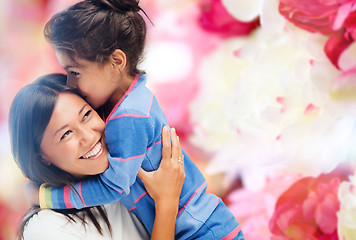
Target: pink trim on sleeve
{"type": "Point", "coordinates": [191, 197]}
{"type": "Point", "coordinates": [217, 201]}
{"type": "Point", "coordinates": [129, 158]}
{"type": "Point", "coordinates": [133, 115]}
{"type": "Point", "coordinates": [132, 85]}
{"type": "Point", "coordinates": [232, 234]}
{"type": "Point", "coordinates": [66, 197]}
{"type": "Point", "coordinates": [143, 194]}
{"type": "Point", "coordinates": [132, 208]}
{"type": "Point", "coordinates": [80, 194]}
{"type": "Point", "coordinates": [155, 143]}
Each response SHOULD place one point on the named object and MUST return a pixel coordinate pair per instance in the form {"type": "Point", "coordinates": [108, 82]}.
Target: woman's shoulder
{"type": "Point", "coordinates": [125, 225]}
{"type": "Point", "coordinates": [48, 224]}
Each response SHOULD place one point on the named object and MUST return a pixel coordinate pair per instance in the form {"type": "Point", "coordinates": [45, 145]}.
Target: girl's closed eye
{"type": "Point", "coordinates": [65, 134]}
{"type": "Point", "coordinates": [73, 73]}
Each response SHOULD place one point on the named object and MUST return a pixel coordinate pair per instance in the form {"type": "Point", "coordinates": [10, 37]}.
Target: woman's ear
{"type": "Point", "coordinates": [118, 58]}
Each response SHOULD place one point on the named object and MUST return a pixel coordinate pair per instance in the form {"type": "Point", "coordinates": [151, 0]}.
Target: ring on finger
{"type": "Point", "coordinates": [180, 160]}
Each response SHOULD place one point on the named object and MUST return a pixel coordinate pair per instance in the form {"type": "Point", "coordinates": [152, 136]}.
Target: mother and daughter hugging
{"type": "Point", "coordinates": [96, 145]}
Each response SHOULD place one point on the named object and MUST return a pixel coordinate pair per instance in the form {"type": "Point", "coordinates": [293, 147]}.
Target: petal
{"type": "Point", "coordinates": [347, 58]}
{"type": "Point", "coordinates": [332, 2]}
{"type": "Point", "coordinates": [284, 216]}
{"type": "Point", "coordinates": [325, 214]}
{"type": "Point", "coordinates": [245, 11]}
{"type": "Point", "coordinates": [301, 231]}
{"type": "Point", "coordinates": [309, 206]}
{"type": "Point", "coordinates": [214, 17]}
{"type": "Point", "coordinates": [344, 86]}
{"type": "Point", "coordinates": [309, 15]}
{"type": "Point", "coordinates": [342, 13]}
{"type": "Point", "coordinates": [270, 17]}
{"type": "Point", "coordinates": [335, 46]}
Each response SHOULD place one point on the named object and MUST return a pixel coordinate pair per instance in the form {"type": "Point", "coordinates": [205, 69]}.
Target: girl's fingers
{"type": "Point", "coordinates": [166, 145]}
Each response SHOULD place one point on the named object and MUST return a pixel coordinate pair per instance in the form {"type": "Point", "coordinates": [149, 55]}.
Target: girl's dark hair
{"type": "Point", "coordinates": [30, 113]}
{"type": "Point", "coordinates": [93, 29]}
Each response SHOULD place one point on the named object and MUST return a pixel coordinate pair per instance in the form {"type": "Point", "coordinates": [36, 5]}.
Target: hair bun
{"type": "Point", "coordinates": [118, 5]}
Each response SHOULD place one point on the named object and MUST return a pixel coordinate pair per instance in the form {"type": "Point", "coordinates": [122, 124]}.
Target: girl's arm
{"type": "Point", "coordinates": [164, 185]}
{"type": "Point", "coordinates": [127, 138]}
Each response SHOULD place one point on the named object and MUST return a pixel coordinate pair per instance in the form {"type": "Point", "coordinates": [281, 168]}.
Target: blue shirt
{"type": "Point", "coordinates": [133, 136]}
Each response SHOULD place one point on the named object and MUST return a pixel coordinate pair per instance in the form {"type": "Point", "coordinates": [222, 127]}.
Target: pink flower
{"type": "Point", "coordinates": [307, 209]}
{"type": "Point", "coordinates": [254, 208]}
{"type": "Point", "coordinates": [311, 15]}
{"type": "Point", "coordinates": [215, 18]}
{"type": "Point", "coordinates": [334, 18]}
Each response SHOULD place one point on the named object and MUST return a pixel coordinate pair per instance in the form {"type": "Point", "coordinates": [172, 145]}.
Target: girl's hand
{"type": "Point", "coordinates": [165, 184]}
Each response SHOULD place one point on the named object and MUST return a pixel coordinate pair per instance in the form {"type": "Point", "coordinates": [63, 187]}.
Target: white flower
{"type": "Point", "coordinates": [264, 105]}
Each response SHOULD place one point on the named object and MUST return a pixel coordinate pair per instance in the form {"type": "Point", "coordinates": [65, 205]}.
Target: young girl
{"type": "Point", "coordinates": [40, 115]}
{"type": "Point", "coordinates": [99, 44]}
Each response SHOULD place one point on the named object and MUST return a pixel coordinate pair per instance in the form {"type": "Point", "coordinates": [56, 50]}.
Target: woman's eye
{"type": "Point", "coordinates": [87, 114]}
{"type": "Point", "coordinates": [66, 134]}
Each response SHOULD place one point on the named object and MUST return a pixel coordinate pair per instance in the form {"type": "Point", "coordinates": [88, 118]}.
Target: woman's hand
{"type": "Point", "coordinates": [165, 185]}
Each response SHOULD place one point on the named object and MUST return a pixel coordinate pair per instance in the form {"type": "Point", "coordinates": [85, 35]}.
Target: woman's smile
{"type": "Point", "coordinates": [94, 152]}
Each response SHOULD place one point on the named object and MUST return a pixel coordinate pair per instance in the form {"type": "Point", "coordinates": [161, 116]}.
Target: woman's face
{"type": "Point", "coordinates": [74, 138]}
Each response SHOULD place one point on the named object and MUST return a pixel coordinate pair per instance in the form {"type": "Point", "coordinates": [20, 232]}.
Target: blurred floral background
{"type": "Point", "coordinates": [261, 92]}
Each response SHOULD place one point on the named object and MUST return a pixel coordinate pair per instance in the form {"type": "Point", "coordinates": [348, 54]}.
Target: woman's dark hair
{"type": "Point", "coordinates": [30, 113]}
{"type": "Point", "coordinates": [93, 29]}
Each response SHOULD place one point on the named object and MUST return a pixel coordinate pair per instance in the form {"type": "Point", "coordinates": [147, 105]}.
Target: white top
{"type": "Point", "coordinates": [49, 225]}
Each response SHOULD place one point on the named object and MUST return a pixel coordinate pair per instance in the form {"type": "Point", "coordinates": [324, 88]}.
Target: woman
{"type": "Point", "coordinates": [47, 114]}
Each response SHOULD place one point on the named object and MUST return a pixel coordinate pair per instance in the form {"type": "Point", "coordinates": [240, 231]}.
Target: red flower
{"type": "Point", "coordinates": [339, 41]}
{"type": "Point", "coordinates": [215, 18]}
{"type": "Point", "coordinates": [307, 209]}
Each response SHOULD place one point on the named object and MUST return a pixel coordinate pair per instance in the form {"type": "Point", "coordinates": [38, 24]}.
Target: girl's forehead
{"type": "Point", "coordinates": [66, 60]}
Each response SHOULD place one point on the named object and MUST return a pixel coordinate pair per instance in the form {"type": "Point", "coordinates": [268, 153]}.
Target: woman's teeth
{"type": "Point", "coordinates": [94, 151]}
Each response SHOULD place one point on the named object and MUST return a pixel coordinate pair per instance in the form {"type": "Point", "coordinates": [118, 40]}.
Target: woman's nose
{"type": "Point", "coordinates": [87, 136]}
